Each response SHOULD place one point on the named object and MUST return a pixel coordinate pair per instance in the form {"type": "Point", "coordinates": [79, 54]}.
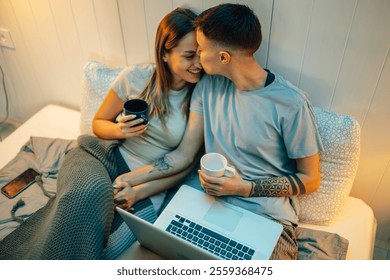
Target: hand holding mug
{"type": "Point", "coordinates": [138, 108]}
{"type": "Point", "coordinates": [135, 119]}
{"type": "Point", "coordinates": [217, 177]}
{"type": "Point", "coordinates": [216, 165]}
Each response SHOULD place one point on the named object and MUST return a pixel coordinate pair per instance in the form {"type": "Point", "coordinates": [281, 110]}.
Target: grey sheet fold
{"type": "Point", "coordinates": [320, 245]}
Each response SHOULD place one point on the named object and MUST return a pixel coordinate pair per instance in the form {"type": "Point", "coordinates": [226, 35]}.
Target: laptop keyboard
{"type": "Point", "coordinates": [209, 240]}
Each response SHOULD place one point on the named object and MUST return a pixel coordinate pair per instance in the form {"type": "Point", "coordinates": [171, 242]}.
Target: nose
{"type": "Point", "coordinates": [197, 59]}
{"type": "Point", "coordinates": [198, 51]}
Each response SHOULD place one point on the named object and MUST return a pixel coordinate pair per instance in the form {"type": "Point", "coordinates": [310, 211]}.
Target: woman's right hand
{"type": "Point", "coordinates": [128, 126]}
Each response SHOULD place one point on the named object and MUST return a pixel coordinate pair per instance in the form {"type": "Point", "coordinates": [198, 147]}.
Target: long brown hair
{"type": "Point", "coordinates": [172, 28]}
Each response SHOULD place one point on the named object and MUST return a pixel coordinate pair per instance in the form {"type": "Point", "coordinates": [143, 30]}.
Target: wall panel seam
{"type": "Point", "coordinates": [343, 55]}
{"type": "Point", "coordinates": [122, 33]}
{"type": "Point", "coordinates": [376, 86]}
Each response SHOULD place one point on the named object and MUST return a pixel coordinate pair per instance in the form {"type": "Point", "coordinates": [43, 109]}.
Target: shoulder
{"type": "Point", "coordinates": [291, 94]}
{"type": "Point", "coordinates": [212, 81]}
{"type": "Point", "coordinates": [132, 79]}
{"type": "Point", "coordinates": [134, 76]}
{"type": "Point", "coordinates": [138, 71]}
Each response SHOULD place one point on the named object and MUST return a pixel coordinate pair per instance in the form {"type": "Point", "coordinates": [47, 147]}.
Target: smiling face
{"type": "Point", "coordinates": [183, 62]}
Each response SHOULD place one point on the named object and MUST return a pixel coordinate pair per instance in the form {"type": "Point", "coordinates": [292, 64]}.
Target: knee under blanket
{"type": "Point", "coordinates": [80, 221]}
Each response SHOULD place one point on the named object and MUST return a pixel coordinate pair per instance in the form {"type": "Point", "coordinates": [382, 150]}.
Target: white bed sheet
{"type": "Point", "coordinates": [356, 222]}
{"type": "Point", "coordinates": [52, 121]}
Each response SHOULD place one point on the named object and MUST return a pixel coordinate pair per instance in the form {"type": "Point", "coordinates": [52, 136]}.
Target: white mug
{"type": "Point", "coordinates": [216, 165]}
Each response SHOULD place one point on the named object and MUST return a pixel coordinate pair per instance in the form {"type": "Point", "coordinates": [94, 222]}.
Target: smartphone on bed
{"type": "Point", "coordinates": [20, 183]}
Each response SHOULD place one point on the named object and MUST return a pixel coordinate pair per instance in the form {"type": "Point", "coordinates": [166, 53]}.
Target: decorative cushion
{"type": "Point", "coordinates": [340, 136]}
{"type": "Point", "coordinates": [97, 80]}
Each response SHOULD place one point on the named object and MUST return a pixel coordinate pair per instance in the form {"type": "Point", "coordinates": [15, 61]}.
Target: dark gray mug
{"type": "Point", "coordinates": [137, 107]}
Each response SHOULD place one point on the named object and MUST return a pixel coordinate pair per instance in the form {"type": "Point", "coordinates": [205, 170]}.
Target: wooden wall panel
{"type": "Point", "coordinates": [69, 39]}
{"type": "Point", "coordinates": [10, 61]}
{"type": "Point", "coordinates": [26, 63]}
{"type": "Point", "coordinates": [375, 145]}
{"type": "Point", "coordinates": [110, 32]}
{"type": "Point", "coordinates": [324, 49]}
{"type": "Point", "coordinates": [84, 15]}
{"type": "Point", "coordinates": [135, 33]}
{"type": "Point", "coordinates": [365, 54]}
{"type": "Point", "coordinates": [286, 49]}
{"type": "Point", "coordinates": [8, 89]}
{"type": "Point", "coordinates": [154, 12]}
{"type": "Point", "coordinates": [56, 41]}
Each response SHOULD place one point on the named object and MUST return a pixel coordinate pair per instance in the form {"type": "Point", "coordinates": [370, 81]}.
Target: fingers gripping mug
{"type": "Point", "coordinates": [137, 107]}
{"type": "Point", "coordinates": [216, 165]}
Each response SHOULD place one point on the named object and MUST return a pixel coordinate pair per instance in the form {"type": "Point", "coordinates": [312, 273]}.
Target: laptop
{"type": "Point", "coordinates": [195, 225]}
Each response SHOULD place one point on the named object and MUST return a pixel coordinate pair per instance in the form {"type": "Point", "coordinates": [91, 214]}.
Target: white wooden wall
{"type": "Point", "coordinates": [338, 51]}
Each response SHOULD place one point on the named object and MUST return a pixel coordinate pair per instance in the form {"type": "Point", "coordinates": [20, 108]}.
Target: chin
{"type": "Point", "coordinates": [193, 79]}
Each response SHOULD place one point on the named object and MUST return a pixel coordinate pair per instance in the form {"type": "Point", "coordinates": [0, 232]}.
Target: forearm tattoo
{"type": "Point", "coordinates": [162, 165]}
{"type": "Point", "coordinates": [277, 186]}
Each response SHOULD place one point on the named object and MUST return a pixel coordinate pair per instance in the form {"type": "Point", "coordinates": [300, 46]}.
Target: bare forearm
{"type": "Point", "coordinates": [106, 129]}
{"type": "Point", "coordinates": [167, 166]}
{"type": "Point", "coordinates": [156, 186]}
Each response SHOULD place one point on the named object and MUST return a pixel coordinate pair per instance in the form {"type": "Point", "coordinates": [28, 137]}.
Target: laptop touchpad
{"type": "Point", "coordinates": [222, 215]}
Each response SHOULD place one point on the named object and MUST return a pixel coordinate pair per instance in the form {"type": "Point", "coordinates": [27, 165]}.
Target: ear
{"type": "Point", "coordinates": [165, 58]}
{"type": "Point", "coordinates": [224, 57]}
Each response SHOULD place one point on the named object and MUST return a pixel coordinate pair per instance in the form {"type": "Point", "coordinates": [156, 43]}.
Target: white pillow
{"type": "Point", "coordinates": [97, 81]}
{"type": "Point", "coordinates": [340, 136]}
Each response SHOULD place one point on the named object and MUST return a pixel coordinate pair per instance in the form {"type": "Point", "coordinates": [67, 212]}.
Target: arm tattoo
{"type": "Point", "coordinates": [162, 165]}
{"type": "Point", "coordinates": [277, 186]}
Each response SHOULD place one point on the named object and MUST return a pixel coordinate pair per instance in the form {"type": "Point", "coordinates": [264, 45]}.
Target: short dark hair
{"type": "Point", "coordinates": [231, 25]}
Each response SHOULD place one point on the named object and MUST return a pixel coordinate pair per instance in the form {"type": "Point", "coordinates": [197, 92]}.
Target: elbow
{"type": "Point", "coordinates": [95, 129]}
{"type": "Point", "coordinates": [313, 183]}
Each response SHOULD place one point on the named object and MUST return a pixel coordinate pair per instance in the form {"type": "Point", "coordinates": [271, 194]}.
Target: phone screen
{"type": "Point", "coordinates": [20, 183]}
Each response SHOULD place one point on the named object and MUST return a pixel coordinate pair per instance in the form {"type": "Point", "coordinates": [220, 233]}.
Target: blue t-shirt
{"type": "Point", "coordinates": [261, 133]}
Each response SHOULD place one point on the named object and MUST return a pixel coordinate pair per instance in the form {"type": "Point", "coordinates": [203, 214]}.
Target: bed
{"type": "Point", "coordinates": [331, 210]}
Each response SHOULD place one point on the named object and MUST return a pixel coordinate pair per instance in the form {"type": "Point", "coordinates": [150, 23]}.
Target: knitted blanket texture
{"type": "Point", "coordinates": [80, 221]}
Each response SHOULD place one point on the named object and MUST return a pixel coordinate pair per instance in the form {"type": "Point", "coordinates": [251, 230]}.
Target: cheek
{"type": "Point", "coordinates": [205, 61]}
{"type": "Point", "coordinates": [176, 66]}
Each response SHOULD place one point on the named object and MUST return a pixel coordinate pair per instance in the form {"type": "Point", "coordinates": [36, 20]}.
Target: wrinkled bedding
{"type": "Point", "coordinates": [79, 222]}
{"type": "Point", "coordinates": [46, 156]}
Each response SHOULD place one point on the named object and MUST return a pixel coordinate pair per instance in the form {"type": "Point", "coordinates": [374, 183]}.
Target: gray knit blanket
{"type": "Point", "coordinates": [80, 221]}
